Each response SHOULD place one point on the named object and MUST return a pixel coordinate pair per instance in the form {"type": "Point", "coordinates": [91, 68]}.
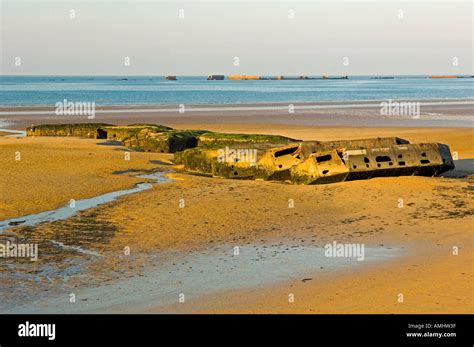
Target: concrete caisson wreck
{"type": "Point", "coordinates": [90, 130]}
{"type": "Point", "coordinates": [143, 137]}
{"type": "Point", "coordinates": [153, 138]}
{"type": "Point", "coordinates": [317, 162]}
{"type": "Point", "coordinates": [270, 157]}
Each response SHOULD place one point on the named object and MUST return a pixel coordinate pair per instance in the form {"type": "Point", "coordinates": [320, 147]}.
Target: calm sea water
{"type": "Point", "coordinates": [47, 90]}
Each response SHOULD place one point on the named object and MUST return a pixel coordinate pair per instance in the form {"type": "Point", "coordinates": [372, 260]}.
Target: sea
{"type": "Point", "coordinates": [155, 90]}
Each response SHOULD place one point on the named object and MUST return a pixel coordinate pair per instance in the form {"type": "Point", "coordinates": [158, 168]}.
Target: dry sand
{"type": "Point", "coordinates": [52, 171]}
{"type": "Point", "coordinates": [436, 216]}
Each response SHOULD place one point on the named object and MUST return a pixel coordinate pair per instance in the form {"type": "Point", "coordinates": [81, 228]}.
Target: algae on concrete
{"type": "Point", "coordinates": [213, 138]}
{"type": "Point", "coordinates": [91, 130]}
{"type": "Point", "coordinates": [123, 132]}
{"type": "Point", "coordinates": [164, 142]}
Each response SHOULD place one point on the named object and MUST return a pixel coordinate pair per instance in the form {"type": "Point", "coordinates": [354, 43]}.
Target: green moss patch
{"type": "Point", "coordinates": [91, 130]}
{"type": "Point", "coordinates": [211, 139]}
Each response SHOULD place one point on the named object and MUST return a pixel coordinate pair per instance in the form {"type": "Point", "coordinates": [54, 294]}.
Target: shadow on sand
{"type": "Point", "coordinates": [110, 143]}
{"type": "Point", "coordinates": [463, 168]}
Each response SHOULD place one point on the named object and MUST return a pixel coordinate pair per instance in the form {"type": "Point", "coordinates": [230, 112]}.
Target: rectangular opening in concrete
{"type": "Point", "coordinates": [323, 158]}
{"type": "Point", "coordinates": [286, 151]}
{"type": "Point", "coordinates": [382, 158]}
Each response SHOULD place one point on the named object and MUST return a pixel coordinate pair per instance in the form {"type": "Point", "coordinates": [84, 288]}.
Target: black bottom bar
{"type": "Point", "coordinates": [442, 330]}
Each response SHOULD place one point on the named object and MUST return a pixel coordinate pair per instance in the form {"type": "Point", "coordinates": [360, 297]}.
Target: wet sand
{"type": "Point", "coordinates": [431, 281]}
{"type": "Point", "coordinates": [433, 113]}
{"type": "Point", "coordinates": [436, 216]}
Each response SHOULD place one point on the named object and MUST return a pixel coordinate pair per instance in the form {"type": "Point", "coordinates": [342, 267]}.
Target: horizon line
{"type": "Point", "coordinates": [205, 75]}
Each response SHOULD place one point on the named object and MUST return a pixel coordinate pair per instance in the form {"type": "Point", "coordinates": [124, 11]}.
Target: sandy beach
{"type": "Point", "coordinates": [221, 165]}
{"type": "Point", "coordinates": [436, 216]}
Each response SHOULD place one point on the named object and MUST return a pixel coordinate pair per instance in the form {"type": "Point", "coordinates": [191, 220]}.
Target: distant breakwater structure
{"type": "Point", "coordinates": [269, 157]}
{"type": "Point", "coordinates": [235, 77]}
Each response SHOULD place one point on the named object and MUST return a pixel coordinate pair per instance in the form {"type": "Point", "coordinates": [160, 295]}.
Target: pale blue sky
{"type": "Point", "coordinates": [428, 39]}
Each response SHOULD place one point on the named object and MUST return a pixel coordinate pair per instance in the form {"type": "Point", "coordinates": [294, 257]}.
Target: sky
{"type": "Point", "coordinates": [236, 37]}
